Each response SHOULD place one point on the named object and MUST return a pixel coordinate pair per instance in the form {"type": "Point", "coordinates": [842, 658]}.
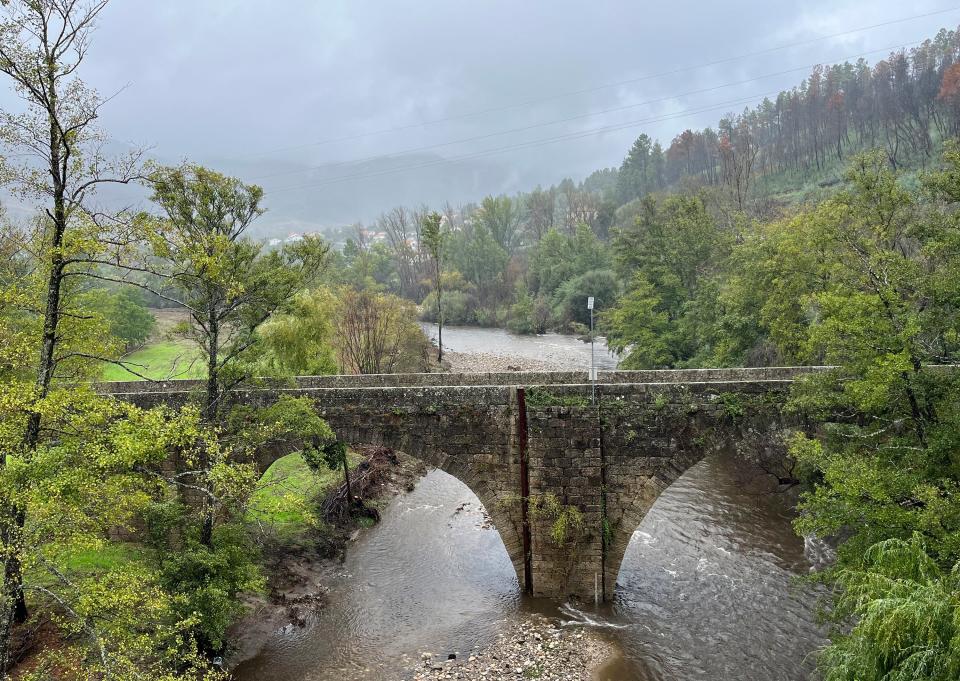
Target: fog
{"type": "Point", "coordinates": [387, 91]}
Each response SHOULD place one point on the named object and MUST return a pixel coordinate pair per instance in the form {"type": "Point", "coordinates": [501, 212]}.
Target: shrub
{"type": "Point", "coordinates": [570, 300]}
{"type": "Point", "coordinates": [459, 307]}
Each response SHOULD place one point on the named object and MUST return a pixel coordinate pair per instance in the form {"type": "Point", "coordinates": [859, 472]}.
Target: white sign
{"type": "Point", "coordinates": [590, 303]}
{"type": "Point", "coordinates": [593, 373]}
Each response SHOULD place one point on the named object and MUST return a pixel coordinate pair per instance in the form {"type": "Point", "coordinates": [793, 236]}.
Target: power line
{"type": "Point", "coordinates": [529, 144]}
{"type": "Point", "coordinates": [606, 86]}
{"type": "Point", "coordinates": [591, 114]}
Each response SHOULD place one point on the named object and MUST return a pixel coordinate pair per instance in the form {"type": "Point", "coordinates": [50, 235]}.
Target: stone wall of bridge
{"type": "Point", "coordinates": [609, 461]}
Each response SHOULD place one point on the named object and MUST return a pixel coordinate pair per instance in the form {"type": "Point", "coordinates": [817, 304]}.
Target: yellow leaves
{"type": "Point", "coordinates": [231, 482]}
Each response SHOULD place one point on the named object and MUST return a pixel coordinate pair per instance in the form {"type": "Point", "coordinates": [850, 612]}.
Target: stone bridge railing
{"type": "Point", "coordinates": [528, 378]}
{"type": "Point", "coordinates": [515, 438]}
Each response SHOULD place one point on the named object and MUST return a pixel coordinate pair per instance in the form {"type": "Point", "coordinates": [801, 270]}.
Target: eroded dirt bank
{"type": "Point", "coordinates": [298, 575]}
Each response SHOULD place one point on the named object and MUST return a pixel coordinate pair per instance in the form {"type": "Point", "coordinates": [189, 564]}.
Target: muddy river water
{"type": "Point", "coordinates": [707, 589]}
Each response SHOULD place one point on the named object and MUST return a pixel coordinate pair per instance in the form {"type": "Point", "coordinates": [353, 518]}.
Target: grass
{"type": "Point", "coordinates": [108, 557]}
{"type": "Point", "coordinates": [164, 359]}
{"type": "Point", "coordinates": [90, 561]}
{"type": "Point", "coordinates": [287, 493]}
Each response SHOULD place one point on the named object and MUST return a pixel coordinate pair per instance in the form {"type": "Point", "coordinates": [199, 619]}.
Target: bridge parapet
{"type": "Point", "coordinates": [525, 378]}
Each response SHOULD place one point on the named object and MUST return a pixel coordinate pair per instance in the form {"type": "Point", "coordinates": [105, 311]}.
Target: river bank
{"type": "Point", "coordinates": [535, 648]}
{"type": "Point", "coordinates": [480, 362]}
{"type": "Point", "coordinates": [299, 574]}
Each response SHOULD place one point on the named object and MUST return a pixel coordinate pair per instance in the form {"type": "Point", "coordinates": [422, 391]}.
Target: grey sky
{"type": "Point", "coordinates": [228, 82]}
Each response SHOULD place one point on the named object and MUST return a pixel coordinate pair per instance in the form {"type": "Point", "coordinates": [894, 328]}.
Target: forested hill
{"type": "Point", "coordinates": [656, 241]}
{"type": "Point", "coordinates": [905, 104]}
{"type": "Point", "coordinates": [784, 148]}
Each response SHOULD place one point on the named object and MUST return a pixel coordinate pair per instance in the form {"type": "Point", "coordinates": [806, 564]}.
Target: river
{"type": "Point", "coordinates": [707, 589]}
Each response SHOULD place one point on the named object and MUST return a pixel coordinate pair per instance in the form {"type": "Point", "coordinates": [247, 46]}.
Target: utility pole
{"type": "Point", "coordinates": [593, 368]}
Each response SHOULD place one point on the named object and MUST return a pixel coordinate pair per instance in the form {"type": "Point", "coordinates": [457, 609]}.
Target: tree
{"type": "Point", "coordinates": [634, 178]}
{"type": "Point", "coordinates": [899, 596]}
{"type": "Point", "coordinates": [130, 320]}
{"type": "Point", "coordinates": [675, 249]}
{"type": "Point", "coordinates": [477, 255]}
{"type": "Point", "coordinates": [54, 159]}
{"type": "Point", "coordinates": [884, 473]}
{"type": "Point", "coordinates": [228, 285]}
{"type": "Point", "coordinates": [570, 299]}
{"type": "Point", "coordinates": [375, 331]}
{"type": "Point", "coordinates": [501, 216]}
{"type": "Point", "coordinates": [638, 326]}
{"type": "Point", "coordinates": [299, 341]}
{"type": "Point", "coordinates": [539, 207]}
{"type": "Point", "coordinates": [433, 237]}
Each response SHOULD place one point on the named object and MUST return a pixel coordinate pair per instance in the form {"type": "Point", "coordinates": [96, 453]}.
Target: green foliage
{"type": "Point", "coordinates": [906, 610]}
{"type": "Point", "coordinates": [206, 580]}
{"type": "Point", "coordinates": [566, 521]}
{"type": "Point", "coordinates": [528, 315]}
{"type": "Point", "coordinates": [558, 258]}
{"type": "Point", "coordinates": [130, 320]}
{"type": "Point", "coordinates": [230, 286]}
{"type": "Point", "coordinates": [637, 326]}
{"type": "Point", "coordinates": [570, 299]}
{"type": "Point", "coordinates": [541, 397]}
{"type": "Point", "coordinates": [500, 216]}
{"type": "Point", "coordinates": [669, 256]}
{"type": "Point", "coordinates": [732, 405]}
{"type": "Point", "coordinates": [299, 341]}
{"type": "Point", "coordinates": [459, 307]}
{"type": "Point", "coordinates": [284, 500]}
{"type": "Point", "coordinates": [480, 258]}
{"type": "Point", "coordinates": [883, 287]}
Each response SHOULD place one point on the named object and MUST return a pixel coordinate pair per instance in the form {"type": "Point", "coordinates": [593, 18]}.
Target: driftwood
{"type": "Point", "coordinates": [347, 500]}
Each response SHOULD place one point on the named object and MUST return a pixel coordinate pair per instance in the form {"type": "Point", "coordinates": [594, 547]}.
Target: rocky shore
{"type": "Point", "coordinates": [478, 362]}
{"type": "Point", "coordinates": [536, 648]}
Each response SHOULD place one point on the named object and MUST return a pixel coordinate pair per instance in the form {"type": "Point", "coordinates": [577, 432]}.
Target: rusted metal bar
{"type": "Point", "coordinates": [524, 490]}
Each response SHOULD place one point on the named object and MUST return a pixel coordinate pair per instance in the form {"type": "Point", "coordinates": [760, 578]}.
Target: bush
{"type": "Point", "coordinates": [528, 315]}
{"type": "Point", "coordinates": [377, 333]}
{"type": "Point", "coordinates": [459, 308]}
{"type": "Point", "coordinates": [203, 581]}
{"type": "Point", "coordinates": [488, 316]}
{"type": "Point", "coordinates": [570, 300]}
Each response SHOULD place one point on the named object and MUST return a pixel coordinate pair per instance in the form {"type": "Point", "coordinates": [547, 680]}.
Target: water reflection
{"type": "Point", "coordinates": [709, 584]}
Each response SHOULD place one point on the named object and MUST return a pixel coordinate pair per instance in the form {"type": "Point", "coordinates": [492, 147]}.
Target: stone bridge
{"type": "Point", "coordinates": [565, 476]}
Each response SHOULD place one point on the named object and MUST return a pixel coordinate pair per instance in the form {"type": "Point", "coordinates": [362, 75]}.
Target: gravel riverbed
{"type": "Point", "coordinates": [479, 362]}
{"type": "Point", "coordinates": [536, 648]}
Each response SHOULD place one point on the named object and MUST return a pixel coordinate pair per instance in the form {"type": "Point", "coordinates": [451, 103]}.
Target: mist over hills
{"type": "Point", "coordinates": [307, 198]}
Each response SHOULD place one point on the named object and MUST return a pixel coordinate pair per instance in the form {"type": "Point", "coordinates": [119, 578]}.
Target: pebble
{"type": "Point", "coordinates": [533, 649]}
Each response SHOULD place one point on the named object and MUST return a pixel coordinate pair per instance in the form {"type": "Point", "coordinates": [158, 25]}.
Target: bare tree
{"type": "Point", "coordinates": [371, 331]}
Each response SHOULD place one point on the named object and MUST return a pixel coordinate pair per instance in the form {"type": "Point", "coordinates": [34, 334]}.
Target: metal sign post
{"type": "Point", "coordinates": [593, 368]}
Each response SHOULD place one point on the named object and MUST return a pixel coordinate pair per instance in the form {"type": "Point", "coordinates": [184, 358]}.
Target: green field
{"type": "Point", "coordinates": [288, 491]}
{"type": "Point", "coordinates": [165, 359]}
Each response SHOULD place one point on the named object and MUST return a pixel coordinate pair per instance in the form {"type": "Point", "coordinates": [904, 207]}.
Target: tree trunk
{"type": "Point", "coordinates": [439, 317]}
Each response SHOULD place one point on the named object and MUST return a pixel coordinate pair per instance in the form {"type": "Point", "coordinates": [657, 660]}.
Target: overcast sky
{"type": "Point", "coordinates": [226, 81]}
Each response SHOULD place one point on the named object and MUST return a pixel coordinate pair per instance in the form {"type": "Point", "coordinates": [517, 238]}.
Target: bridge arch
{"type": "Point", "coordinates": [607, 461]}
